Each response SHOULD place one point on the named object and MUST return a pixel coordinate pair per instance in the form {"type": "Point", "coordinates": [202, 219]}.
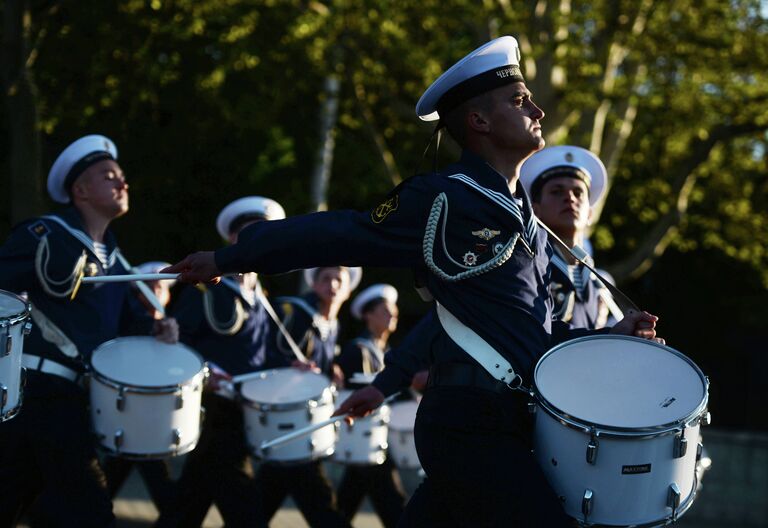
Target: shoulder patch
{"type": "Point", "coordinates": [384, 209]}
{"type": "Point", "coordinates": [38, 229]}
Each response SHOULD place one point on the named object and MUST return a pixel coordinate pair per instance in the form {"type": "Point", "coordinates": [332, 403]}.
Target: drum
{"type": "Point", "coordinates": [146, 397]}
{"type": "Point", "coordinates": [364, 442]}
{"type": "Point", "coordinates": [617, 429]}
{"type": "Point", "coordinates": [401, 442]}
{"type": "Point", "coordinates": [14, 325]}
{"type": "Point", "coordinates": [283, 400]}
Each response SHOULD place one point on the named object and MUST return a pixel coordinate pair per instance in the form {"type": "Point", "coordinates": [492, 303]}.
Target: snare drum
{"type": "Point", "coordinates": [283, 400]}
{"type": "Point", "coordinates": [364, 442]}
{"type": "Point", "coordinates": [14, 325]}
{"type": "Point", "coordinates": [401, 442]}
{"type": "Point", "coordinates": [146, 397]}
{"type": "Point", "coordinates": [617, 429]}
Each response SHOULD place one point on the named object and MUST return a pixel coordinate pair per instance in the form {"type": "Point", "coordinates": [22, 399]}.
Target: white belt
{"type": "Point", "coordinates": [48, 366]}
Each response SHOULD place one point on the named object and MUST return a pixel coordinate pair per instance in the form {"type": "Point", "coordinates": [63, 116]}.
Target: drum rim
{"type": "Point", "coordinates": [145, 389]}
{"type": "Point", "coordinates": [14, 319]}
{"type": "Point", "coordinates": [587, 426]}
{"type": "Point", "coordinates": [182, 450]}
{"type": "Point", "coordinates": [293, 461]}
{"type": "Point", "coordinates": [328, 393]}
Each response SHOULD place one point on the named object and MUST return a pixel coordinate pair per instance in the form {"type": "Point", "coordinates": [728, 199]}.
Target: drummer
{"type": "Point", "coordinates": [376, 306]}
{"type": "Point", "coordinates": [564, 184]}
{"type": "Point", "coordinates": [312, 322]}
{"type": "Point", "coordinates": [155, 473]}
{"type": "Point", "coordinates": [48, 449]}
{"type": "Point", "coordinates": [228, 324]}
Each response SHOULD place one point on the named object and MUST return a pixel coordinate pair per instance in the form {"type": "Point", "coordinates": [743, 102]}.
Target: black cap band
{"type": "Point", "coordinates": [85, 162]}
{"type": "Point", "coordinates": [240, 220]}
{"type": "Point", "coordinates": [567, 171]}
{"type": "Point", "coordinates": [477, 85]}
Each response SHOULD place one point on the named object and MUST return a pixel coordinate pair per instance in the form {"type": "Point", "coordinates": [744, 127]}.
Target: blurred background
{"type": "Point", "coordinates": [312, 103]}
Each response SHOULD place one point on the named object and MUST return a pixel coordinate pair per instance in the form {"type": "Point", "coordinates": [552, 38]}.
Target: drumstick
{"type": "Point", "coordinates": [132, 277]}
{"type": "Point", "coordinates": [314, 427]}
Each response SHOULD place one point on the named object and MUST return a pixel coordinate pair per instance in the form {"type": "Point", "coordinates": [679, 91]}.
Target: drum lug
{"type": "Point", "coordinates": [531, 407]}
{"type": "Point", "coordinates": [120, 402]}
{"type": "Point", "coordinates": [119, 435]}
{"type": "Point", "coordinates": [699, 451]}
{"type": "Point", "coordinates": [3, 397]}
{"type": "Point", "coordinates": [177, 437]}
{"type": "Point", "coordinates": [586, 503]}
{"type": "Point", "coordinates": [27, 328]}
{"type": "Point", "coordinates": [673, 499]}
{"type": "Point", "coordinates": [263, 418]}
{"type": "Point", "coordinates": [706, 418]}
{"type": "Point", "coordinates": [6, 343]}
{"type": "Point", "coordinates": [311, 444]}
{"type": "Point", "coordinates": [592, 450]}
{"type": "Point", "coordinates": [681, 445]}
{"type": "Point", "coordinates": [311, 404]}
{"type": "Point", "coordinates": [179, 401]}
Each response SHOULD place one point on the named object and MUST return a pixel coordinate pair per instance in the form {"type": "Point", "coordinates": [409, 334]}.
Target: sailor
{"type": "Point", "coordinates": [469, 234]}
{"type": "Point", "coordinates": [227, 323]}
{"type": "Point", "coordinates": [156, 474]}
{"type": "Point", "coordinates": [48, 450]}
{"type": "Point", "coordinates": [376, 306]}
{"type": "Point", "coordinates": [564, 183]}
{"type": "Point", "coordinates": [312, 322]}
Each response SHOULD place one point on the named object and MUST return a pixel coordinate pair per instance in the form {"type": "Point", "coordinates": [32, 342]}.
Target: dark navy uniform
{"type": "Point", "coordinates": [306, 482]}
{"type": "Point", "coordinates": [478, 251]}
{"type": "Point", "coordinates": [575, 295]}
{"type": "Point", "coordinates": [380, 483]}
{"type": "Point", "coordinates": [229, 326]}
{"type": "Point", "coordinates": [48, 448]}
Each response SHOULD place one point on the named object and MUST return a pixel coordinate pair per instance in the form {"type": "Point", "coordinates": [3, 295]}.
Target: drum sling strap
{"type": "Point", "coordinates": [53, 334]}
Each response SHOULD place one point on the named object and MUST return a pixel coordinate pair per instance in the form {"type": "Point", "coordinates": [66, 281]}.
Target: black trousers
{"type": "Point", "coordinates": [156, 475]}
{"type": "Point", "coordinates": [308, 485]}
{"type": "Point", "coordinates": [217, 471]}
{"type": "Point", "coordinates": [47, 453]}
{"type": "Point", "coordinates": [475, 447]}
{"type": "Point", "coordinates": [380, 483]}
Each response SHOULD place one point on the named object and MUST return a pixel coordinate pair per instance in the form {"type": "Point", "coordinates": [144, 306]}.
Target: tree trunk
{"type": "Point", "coordinates": [321, 175]}
{"type": "Point", "coordinates": [25, 183]}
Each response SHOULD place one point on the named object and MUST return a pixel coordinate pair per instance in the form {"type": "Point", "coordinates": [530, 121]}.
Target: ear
{"type": "Point", "coordinates": [477, 121]}
{"type": "Point", "coordinates": [79, 188]}
{"type": "Point", "coordinates": [589, 217]}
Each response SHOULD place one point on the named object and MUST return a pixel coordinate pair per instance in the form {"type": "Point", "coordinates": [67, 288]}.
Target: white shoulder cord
{"type": "Point", "coordinates": [471, 271]}
{"type": "Point", "coordinates": [229, 328]}
{"type": "Point", "coordinates": [42, 257]}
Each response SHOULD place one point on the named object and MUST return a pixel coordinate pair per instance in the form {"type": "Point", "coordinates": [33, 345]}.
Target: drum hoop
{"type": "Point", "coordinates": [322, 400]}
{"type": "Point", "coordinates": [132, 387]}
{"type": "Point", "coordinates": [294, 461]}
{"type": "Point", "coordinates": [609, 430]}
{"type": "Point", "coordinates": [186, 448]}
{"type": "Point", "coordinates": [14, 319]}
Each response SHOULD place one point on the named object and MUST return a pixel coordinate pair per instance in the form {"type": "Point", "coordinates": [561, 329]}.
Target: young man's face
{"type": "Point", "coordinates": [513, 120]}
{"type": "Point", "coordinates": [331, 285]}
{"type": "Point", "coordinates": [103, 187]}
{"type": "Point", "coordinates": [564, 205]}
{"type": "Point", "coordinates": [382, 317]}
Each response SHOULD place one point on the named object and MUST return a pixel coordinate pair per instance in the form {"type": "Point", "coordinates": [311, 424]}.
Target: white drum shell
{"type": "Point", "coordinates": [618, 499]}
{"type": "Point", "coordinates": [267, 420]}
{"type": "Point", "coordinates": [400, 439]}
{"type": "Point", "coordinates": [634, 467]}
{"type": "Point", "coordinates": [144, 422]}
{"type": "Point", "coordinates": [14, 324]}
{"type": "Point", "coordinates": [365, 441]}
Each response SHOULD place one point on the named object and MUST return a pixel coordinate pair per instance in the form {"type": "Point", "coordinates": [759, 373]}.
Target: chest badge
{"type": "Point", "coordinates": [470, 259]}
{"type": "Point", "coordinates": [486, 233]}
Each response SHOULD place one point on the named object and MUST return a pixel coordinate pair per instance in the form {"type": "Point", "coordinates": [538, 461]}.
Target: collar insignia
{"type": "Point", "coordinates": [486, 233]}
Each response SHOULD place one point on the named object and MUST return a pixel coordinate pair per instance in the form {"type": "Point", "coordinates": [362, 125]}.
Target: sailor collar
{"type": "Point", "coordinates": [70, 220]}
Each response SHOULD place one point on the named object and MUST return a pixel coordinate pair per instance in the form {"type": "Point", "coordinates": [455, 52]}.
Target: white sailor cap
{"type": "Point", "coordinates": [155, 266]}
{"type": "Point", "coordinates": [565, 160]}
{"type": "Point", "coordinates": [371, 293]}
{"type": "Point", "coordinates": [355, 276]}
{"type": "Point", "coordinates": [74, 160]}
{"type": "Point", "coordinates": [248, 208]}
{"type": "Point", "coordinates": [490, 66]}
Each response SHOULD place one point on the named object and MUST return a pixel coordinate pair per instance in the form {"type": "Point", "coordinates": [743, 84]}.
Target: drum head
{"type": "Point", "coordinates": [402, 415]}
{"type": "Point", "coordinates": [11, 304]}
{"type": "Point", "coordinates": [285, 385]}
{"type": "Point", "coordinates": [620, 382]}
{"type": "Point", "coordinates": [145, 362]}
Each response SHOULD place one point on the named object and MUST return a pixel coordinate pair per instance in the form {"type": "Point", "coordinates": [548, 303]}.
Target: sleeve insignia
{"type": "Point", "coordinates": [381, 211]}
{"type": "Point", "coordinates": [39, 229]}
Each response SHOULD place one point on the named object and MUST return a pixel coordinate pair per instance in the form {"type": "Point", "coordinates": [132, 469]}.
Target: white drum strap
{"type": "Point", "coordinates": [607, 298]}
{"type": "Point", "coordinates": [143, 288]}
{"type": "Point", "coordinates": [287, 335]}
{"type": "Point", "coordinates": [477, 347]}
{"type": "Point", "coordinates": [53, 334]}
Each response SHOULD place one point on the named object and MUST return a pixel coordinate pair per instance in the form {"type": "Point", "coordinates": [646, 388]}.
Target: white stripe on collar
{"type": "Point", "coordinates": [494, 196]}
{"type": "Point", "coordinates": [83, 238]}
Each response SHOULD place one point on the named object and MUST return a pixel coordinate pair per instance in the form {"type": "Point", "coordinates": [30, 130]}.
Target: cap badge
{"type": "Point", "coordinates": [486, 233]}
{"type": "Point", "coordinates": [568, 157]}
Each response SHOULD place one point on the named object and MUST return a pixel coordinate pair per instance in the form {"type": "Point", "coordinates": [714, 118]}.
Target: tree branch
{"type": "Point", "coordinates": [381, 145]}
